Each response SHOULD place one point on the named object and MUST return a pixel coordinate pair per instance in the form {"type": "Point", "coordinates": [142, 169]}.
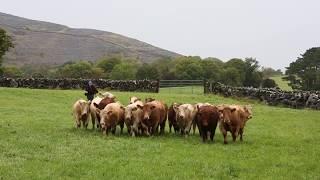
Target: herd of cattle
{"type": "Point", "coordinates": [272, 96]}
{"type": "Point", "coordinates": [146, 118]}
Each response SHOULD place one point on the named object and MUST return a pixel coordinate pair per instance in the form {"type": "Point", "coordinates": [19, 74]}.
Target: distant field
{"type": "Point", "coordinates": [39, 141]}
{"type": "Point", "coordinates": [282, 83]}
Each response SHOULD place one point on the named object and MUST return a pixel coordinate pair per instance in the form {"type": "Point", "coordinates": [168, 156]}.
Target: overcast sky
{"type": "Point", "coordinates": [273, 31]}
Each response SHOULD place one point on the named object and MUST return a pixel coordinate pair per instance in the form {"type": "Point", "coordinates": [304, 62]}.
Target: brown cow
{"type": "Point", "coordinates": [81, 113]}
{"type": "Point", "coordinates": [195, 121]}
{"type": "Point", "coordinates": [233, 120]}
{"type": "Point", "coordinates": [172, 119]}
{"type": "Point", "coordinates": [104, 102]}
{"type": "Point", "coordinates": [154, 115]}
{"type": "Point", "coordinates": [111, 116]}
{"type": "Point", "coordinates": [208, 117]}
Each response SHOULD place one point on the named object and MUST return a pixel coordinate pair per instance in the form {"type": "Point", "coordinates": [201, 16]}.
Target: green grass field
{"type": "Point", "coordinates": [38, 141]}
{"type": "Point", "coordinates": [282, 83]}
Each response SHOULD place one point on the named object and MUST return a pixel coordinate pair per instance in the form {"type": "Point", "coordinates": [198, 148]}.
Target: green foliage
{"type": "Point", "coordinates": [81, 69]}
{"type": "Point", "coordinates": [270, 72]}
{"type": "Point", "coordinates": [147, 71]}
{"type": "Point", "coordinates": [211, 69]}
{"type": "Point", "coordinates": [304, 73]}
{"type": "Point", "coordinates": [253, 77]}
{"type": "Point", "coordinates": [108, 63]}
{"type": "Point", "coordinates": [189, 68]}
{"type": "Point", "coordinates": [124, 71]}
{"type": "Point", "coordinates": [5, 45]}
{"type": "Point", "coordinates": [12, 72]}
{"type": "Point", "coordinates": [39, 141]}
{"type": "Point", "coordinates": [268, 83]}
{"type": "Point", "coordinates": [231, 76]}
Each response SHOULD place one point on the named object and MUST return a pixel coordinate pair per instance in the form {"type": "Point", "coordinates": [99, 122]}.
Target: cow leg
{"type": "Point", "coordinates": [241, 133]}
{"type": "Point", "coordinates": [98, 122]}
{"type": "Point", "coordinates": [78, 123]}
{"type": "Point", "coordinates": [204, 134]}
{"type": "Point", "coordinates": [121, 127]}
{"type": "Point", "coordinates": [235, 133]}
{"type": "Point", "coordinates": [170, 126]}
{"type": "Point", "coordinates": [93, 121]}
{"type": "Point", "coordinates": [129, 130]}
{"type": "Point", "coordinates": [194, 127]}
{"type": "Point", "coordinates": [224, 133]}
{"type": "Point", "coordinates": [213, 131]}
{"type": "Point", "coordinates": [113, 130]}
{"type": "Point", "coordinates": [199, 128]}
{"type": "Point", "coordinates": [162, 126]}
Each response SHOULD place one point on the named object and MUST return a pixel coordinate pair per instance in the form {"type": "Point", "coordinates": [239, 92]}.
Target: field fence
{"type": "Point", "coordinates": [182, 86]}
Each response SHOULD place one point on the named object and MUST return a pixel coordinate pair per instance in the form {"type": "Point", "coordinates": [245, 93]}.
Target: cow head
{"type": "Point", "coordinates": [247, 112]}
{"type": "Point", "coordinates": [128, 111]}
{"type": "Point", "coordinates": [105, 115]}
{"type": "Point", "coordinates": [134, 99]}
{"type": "Point", "coordinates": [148, 108]}
{"type": "Point", "coordinates": [207, 112]}
{"type": "Point", "coordinates": [225, 113]}
{"type": "Point", "coordinates": [85, 109]}
{"type": "Point", "coordinates": [180, 111]}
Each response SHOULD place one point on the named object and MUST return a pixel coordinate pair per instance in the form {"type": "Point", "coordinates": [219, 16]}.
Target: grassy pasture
{"type": "Point", "coordinates": [38, 141]}
{"type": "Point", "coordinates": [282, 83]}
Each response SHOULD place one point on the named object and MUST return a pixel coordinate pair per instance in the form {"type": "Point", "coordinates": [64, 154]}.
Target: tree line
{"type": "Point", "coordinates": [234, 72]}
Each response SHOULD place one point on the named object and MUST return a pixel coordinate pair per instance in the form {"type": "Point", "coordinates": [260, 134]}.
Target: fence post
{"type": "Point", "coordinates": [158, 86]}
{"type": "Point", "coordinates": [204, 86]}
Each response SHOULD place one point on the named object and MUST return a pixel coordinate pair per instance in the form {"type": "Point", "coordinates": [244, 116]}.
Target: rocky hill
{"type": "Point", "coordinates": [38, 42]}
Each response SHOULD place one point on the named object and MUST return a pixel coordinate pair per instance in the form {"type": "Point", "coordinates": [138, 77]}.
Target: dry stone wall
{"type": "Point", "coordinates": [271, 96]}
{"type": "Point", "coordinates": [42, 83]}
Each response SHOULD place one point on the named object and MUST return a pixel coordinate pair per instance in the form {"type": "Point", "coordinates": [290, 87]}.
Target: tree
{"type": "Point", "coordinates": [5, 45]}
{"type": "Point", "coordinates": [124, 71]}
{"type": "Point", "coordinates": [12, 72]}
{"type": "Point", "coordinates": [166, 68]}
{"type": "Point", "coordinates": [268, 83]}
{"type": "Point", "coordinates": [147, 71]}
{"type": "Point", "coordinates": [107, 63]}
{"type": "Point", "coordinates": [253, 77]}
{"type": "Point", "coordinates": [81, 69]}
{"type": "Point", "coordinates": [189, 68]}
{"type": "Point", "coordinates": [268, 72]}
{"type": "Point", "coordinates": [211, 69]}
{"type": "Point", "coordinates": [304, 73]}
{"type": "Point", "coordinates": [231, 76]}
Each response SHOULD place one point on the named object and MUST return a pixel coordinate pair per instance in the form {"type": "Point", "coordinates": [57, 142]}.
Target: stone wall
{"type": "Point", "coordinates": [121, 85]}
{"type": "Point", "coordinates": [271, 96]}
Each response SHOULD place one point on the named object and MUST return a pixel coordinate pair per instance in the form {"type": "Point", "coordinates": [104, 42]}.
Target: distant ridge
{"type": "Point", "coordinates": [39, 42]}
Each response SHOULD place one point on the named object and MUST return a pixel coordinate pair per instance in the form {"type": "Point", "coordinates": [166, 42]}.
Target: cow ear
{"type": "Point", "coordinates": [98, 110]}
{"type": "Point", "coordinates": [175, 107]}
{"type": "Point", "coordinates": [96, 105]}
{"type": "Point", "coordinates": [139, 106]}
{"type": "Point", "coordinates": [198, 107]}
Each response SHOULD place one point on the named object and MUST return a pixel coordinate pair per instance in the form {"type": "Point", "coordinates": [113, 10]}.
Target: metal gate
{"type": "Point", "coordinates": [182, 86]}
